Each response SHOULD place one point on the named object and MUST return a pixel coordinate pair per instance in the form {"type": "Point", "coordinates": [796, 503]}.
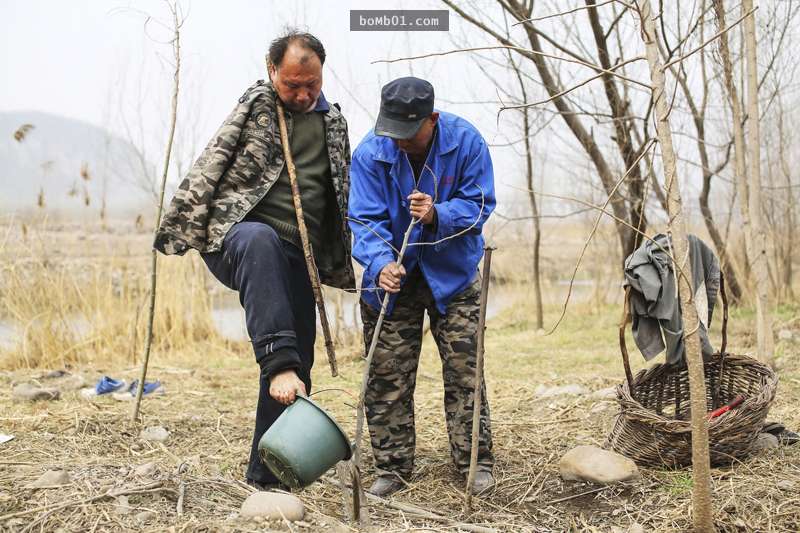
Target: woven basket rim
{"type": "Point", "coordinates": [632, 409]}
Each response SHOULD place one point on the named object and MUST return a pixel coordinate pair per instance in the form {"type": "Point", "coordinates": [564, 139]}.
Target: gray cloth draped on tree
{"type": "Point", "coordinates": [655, 307]}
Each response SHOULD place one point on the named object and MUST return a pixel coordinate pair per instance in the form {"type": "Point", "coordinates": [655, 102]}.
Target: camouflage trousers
{"type": "Point", "coordinates": [392, 377]}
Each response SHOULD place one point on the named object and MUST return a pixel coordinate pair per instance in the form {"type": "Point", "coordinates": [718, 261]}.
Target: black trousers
{"type": "Point", "coordinates": [271, 278]}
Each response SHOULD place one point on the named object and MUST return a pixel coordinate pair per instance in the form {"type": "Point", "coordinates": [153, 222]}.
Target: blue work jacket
{"type": "Point", "coordinates": [462, 185]}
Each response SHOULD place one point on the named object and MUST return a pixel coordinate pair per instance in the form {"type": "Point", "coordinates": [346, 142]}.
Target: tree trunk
{"type": "Point", "coordinates": [788, 247]}
{"type": "Point", "coordinates": [738, 131]}
{"type": "Point", "coordinates": [699, 119]}
{"type": "Point", "coordinates": [702, 516]}
{"type": "Point", "coordinates": [537, 227]}
{"type": "Point", "coordinates": [537, 224]}
{"type": "Point", "coordinates": [622, 129]}
{"type": "Point", "coordinates": [758, 253]}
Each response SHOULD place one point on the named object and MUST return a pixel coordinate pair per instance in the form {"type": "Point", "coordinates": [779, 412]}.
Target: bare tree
{"type": "Point", "coordinates": [758, 250]}
{"type": "Point", "coordinates": [537, 224]}
{"type": "Point", "coordinates": [177, 22]}
{"type": "Point", "coordinates": [784, 239]}
{"type": "Point", "coordinates": [702, 515]}
{"type": "Point", "coordinates": [698, 114]}
{"type": "Point", "coordinates": [627, 206]}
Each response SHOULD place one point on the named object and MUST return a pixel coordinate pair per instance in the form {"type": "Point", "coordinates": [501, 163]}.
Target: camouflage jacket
{"type": "Point", "coordinates": [236, 170]}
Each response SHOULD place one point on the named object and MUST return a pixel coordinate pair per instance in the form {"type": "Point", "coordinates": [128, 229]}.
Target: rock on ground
{"type": "Point", "coordinates": [765, 441]}
{"type": "Point", "coordinates": [609, 393]}
{"type": "Point", "coordinates": [145, 470]}
{"type": "Point", "coordinates": [571, 390]}
{"type": "Point", "coordinates": [71, 383]}
{"type": "Point", "coordinates": [593, 464]}
{"type": "Point", "coordinates": [30, 392]}
{"type": "Point", "coordinates": [50, 479]}
{"type": "Point", "coordinates": [273, 505]}
{"type": "Point", "coordinates": [144, 516]}
{"type": "Point", "coordinates": [633, 528]}
{"type": "Point", "coordinates": [123, 506]}
{"type": "Point", "coordinates": [154, 433]}
{"type": "Point", "coordinates": [600, 407]}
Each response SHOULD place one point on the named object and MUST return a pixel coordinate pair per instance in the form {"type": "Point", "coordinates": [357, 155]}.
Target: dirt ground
{"type": "Point", "coordinates": [209, 407]}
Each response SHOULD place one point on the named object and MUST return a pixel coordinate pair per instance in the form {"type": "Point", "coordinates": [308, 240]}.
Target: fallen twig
{"type": "Point", "coordinates": [114, 493]}
{"type": "Point", "coordinates": [573, 496]}
{"type": "Point", "coordinates": [422, 513]}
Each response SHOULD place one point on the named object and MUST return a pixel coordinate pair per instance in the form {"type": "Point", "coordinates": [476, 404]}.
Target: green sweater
{"type": "Point", "coordinates": [310, 153]}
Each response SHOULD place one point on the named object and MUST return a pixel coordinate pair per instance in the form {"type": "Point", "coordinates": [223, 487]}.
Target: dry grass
{"type": "Point", "coordinates": [79, 296]}
{"type": "Point", "coordinates": [210, 405]}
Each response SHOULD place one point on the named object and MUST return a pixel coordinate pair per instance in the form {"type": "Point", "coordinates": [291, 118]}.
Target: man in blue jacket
{"type": "Point", "coordinates": [435, 167]}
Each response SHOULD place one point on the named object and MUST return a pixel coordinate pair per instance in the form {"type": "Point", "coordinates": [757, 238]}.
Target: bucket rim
{"type": "Point", "coordinates": [319, 408]}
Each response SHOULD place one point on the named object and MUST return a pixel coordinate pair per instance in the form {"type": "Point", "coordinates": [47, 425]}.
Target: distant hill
{"type": "Point", "coordinates": [57, 155]}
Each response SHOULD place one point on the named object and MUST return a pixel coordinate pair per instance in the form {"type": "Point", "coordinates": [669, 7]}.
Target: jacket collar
{"type": "Point", "coordinates": [322, 103]}
{"type": "Point", "coordinates": [388, 152]}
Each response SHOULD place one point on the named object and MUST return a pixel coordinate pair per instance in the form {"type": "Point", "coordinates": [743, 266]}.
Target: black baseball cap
{"type": "Point", "coordinates": [405, 104]}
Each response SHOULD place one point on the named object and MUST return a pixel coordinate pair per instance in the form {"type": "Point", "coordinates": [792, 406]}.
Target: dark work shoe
{"type": "Point", "coordinates": [265, 487]}
{"type": "Point", "coordinates": [385, 486]}
{"type": "Point", "coordinates": [785, 436]}
{"type": "Point", "coordinates": [484, 482]}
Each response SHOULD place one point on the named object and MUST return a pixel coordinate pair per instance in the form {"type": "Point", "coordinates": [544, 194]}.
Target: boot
{"type": "Point", "coordinates": [484, 481]}
{"type": "Point", "coordinates": [385, 485]}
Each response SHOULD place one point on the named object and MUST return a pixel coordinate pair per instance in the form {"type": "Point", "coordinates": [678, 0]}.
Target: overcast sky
{"type": "Point", "coordinates": [65, 57]}
{"type": "Point", "coordinates": [95, 61]}
{"type": "Point", "coordinates": [98, 62]}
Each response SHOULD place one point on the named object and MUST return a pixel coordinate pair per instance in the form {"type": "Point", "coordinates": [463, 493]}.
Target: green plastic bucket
{"type": "Point", "coordinates": [302, 444]}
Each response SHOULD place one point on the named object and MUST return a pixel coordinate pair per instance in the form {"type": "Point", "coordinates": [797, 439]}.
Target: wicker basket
{"type": "Point", "coordinates": [653, 426]}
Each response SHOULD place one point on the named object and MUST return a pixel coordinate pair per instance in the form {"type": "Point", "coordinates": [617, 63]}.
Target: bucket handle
{"type": "Point", "coordinates": [353, 396]}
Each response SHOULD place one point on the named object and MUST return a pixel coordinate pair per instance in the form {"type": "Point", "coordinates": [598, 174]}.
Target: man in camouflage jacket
{"type": "Point", "coordinates": [235, 208]}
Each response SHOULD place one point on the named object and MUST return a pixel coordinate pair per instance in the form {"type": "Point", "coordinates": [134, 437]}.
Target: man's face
{"type": "Point", "coordinates": [417, 146]}
{"type": "Point", "coordinates": [298, 79]}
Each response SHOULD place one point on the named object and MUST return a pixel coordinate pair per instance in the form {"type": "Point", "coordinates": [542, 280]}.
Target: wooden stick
{"type": "Point", "coordinates": [573, 496]}
{"type": "Point", "coordinates": [342, 472]}
{"type": "Point", "coordinates": [108, 494]}
{"type": "Point", "coordinates": [313, 274]}
{"type": "Point", "coordinates": [181, 497]}
{"type": "Point", "coordinates": [626, 318]}
{"type": "Point", "coordinates": [358, 495]}
{"type": "Point", "coordinates": [423, 513]}
{"type": "Point", "coordinates": [477, 397]}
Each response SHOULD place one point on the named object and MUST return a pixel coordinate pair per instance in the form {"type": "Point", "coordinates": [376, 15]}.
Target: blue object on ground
{"type": "Point", "coordinates": [149, 386]}
{"type": "Point", "coordinates": [106, 385]}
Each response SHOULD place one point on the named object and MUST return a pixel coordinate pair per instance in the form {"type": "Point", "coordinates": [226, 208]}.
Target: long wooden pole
{"type": "Point", "coordinates": [176, 47]}
{"type": "Point", "coordinates": [477, 397]}
{"type": "Point", "coordinates": [358, 499]}
{"type": "Point", "coordinates": [313, 273]}
{"type": "Point", "coordinates": [702, 515]}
